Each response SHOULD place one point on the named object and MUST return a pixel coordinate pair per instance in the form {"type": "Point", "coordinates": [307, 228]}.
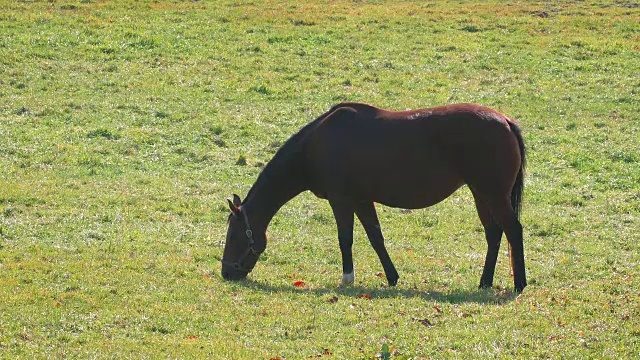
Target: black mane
{"type": "Point", "coordinates": [286, 155]}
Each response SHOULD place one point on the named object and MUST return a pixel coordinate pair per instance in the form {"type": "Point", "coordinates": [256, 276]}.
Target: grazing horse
{"type": "Point", "coordinates": [357, 154]}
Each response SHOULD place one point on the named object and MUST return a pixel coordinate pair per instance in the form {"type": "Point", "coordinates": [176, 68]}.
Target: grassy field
{"type": "Point", "coordinates": [125, 125]}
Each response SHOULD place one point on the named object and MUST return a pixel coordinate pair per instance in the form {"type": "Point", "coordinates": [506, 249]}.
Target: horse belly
{"type": "Point", "coordinates": [413, 186]}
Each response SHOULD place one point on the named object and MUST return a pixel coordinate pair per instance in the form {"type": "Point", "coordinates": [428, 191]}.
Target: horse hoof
{"type": "Point", "coordinates": [519, 286]}
{"type": "Point", "coordinates": [348, 279]}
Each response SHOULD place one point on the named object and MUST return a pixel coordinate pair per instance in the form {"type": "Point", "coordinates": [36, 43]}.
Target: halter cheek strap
{"type": "Point", "coordinates": [238, 264]}
{"type": "Point", "coordinates": [248, 232]}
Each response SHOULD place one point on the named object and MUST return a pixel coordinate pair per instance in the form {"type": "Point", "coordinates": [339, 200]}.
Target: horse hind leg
{"type": "Point", "coordinates": [505, 216]}
{"type": "Point", "coordinates": [493, 235]}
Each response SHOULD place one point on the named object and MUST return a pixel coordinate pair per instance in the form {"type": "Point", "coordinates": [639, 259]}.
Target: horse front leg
{"type": "Point", "coordinates": [366, 212]}
{"type": "Point", "coordinates": [344, 220]}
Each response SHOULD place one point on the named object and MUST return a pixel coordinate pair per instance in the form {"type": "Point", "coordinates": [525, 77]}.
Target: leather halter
{"type": "Point", "coordinates": [237, 265]}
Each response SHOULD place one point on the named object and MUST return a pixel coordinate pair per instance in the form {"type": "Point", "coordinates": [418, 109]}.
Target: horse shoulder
{"type": "Point", "coordinates": [338, 119]}
{"type": "Point", "coordinates": [356, 106]}
{"type": "Point", "coordinates": [333, 134]}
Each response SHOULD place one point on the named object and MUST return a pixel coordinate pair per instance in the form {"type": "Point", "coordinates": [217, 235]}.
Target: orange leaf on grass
{"type": "Point", "coordinates": [299, 284]}
{"type": "Point", "coordinates": [364, 296]}
{"type": "Point", "coordinates": [325, 352]}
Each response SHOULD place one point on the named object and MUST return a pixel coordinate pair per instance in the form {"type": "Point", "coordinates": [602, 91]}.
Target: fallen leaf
{"type": "Point", "coordinates": [561, 323]}
{"type": "Point", "coordinates": [426, 322]}
{"type": "Point", "coordinates": [299, 284]}
{"type": "Point", "coordinates": [584, 342]}
{"type": "Point", "coordinates": [333, 300]}
{"type": "Point", "coordinates": [380, 275]}
{"type": "Point", "coordinates": [192, 338]}
{"type": "Point", "coordinates": [437, 308]}
{"type": "Point", "coordinates": [207, 275]}
{"type": "Point", "coordinates": [364, 296]}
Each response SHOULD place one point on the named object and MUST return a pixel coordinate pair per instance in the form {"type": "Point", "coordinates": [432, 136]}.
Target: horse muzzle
{"type": "Point", "coordinates": [233, 275]}
{"type": "Point", "coordinates": [234, 271]}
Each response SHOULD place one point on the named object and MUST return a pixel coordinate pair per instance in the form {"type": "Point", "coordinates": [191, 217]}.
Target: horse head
{"type": "Point", "coordinates": [242, 248]}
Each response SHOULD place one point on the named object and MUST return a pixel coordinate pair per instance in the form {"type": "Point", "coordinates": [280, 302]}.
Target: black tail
{"type": "Point", "coordinates": [518, 187]}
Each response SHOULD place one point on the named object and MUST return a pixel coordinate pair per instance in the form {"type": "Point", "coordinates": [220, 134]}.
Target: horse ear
{"type": "Point", "coordinates": [234, 209]}
{"type": "Point", "coordinates": [236, 201]}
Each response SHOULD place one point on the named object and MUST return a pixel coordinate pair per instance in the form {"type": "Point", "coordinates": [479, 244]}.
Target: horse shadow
{"type": "Point", "coordinates": [477, 296]}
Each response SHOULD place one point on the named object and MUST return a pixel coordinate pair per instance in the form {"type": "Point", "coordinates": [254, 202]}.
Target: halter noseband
{"type": "Point", "coordinates": [237, 265]}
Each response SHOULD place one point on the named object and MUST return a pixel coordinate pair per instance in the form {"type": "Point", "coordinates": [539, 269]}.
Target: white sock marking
{"type": "Point", "coordinates": [348, 279]}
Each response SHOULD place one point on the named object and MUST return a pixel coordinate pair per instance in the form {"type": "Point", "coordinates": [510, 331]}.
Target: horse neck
{"type": "Point", "coordinates": [270, 192]}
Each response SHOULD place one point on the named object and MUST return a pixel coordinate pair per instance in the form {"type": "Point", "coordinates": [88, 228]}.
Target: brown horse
{"type": "Point", "coordinates": [356, 154]}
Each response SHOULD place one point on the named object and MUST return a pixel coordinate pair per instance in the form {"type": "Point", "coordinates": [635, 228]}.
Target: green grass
{"type": "Point", "coordinates": [125, 125]}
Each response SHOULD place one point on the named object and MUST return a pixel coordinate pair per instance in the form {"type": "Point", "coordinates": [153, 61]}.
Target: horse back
{"type": "Point", "coordinates": [411, 158]}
